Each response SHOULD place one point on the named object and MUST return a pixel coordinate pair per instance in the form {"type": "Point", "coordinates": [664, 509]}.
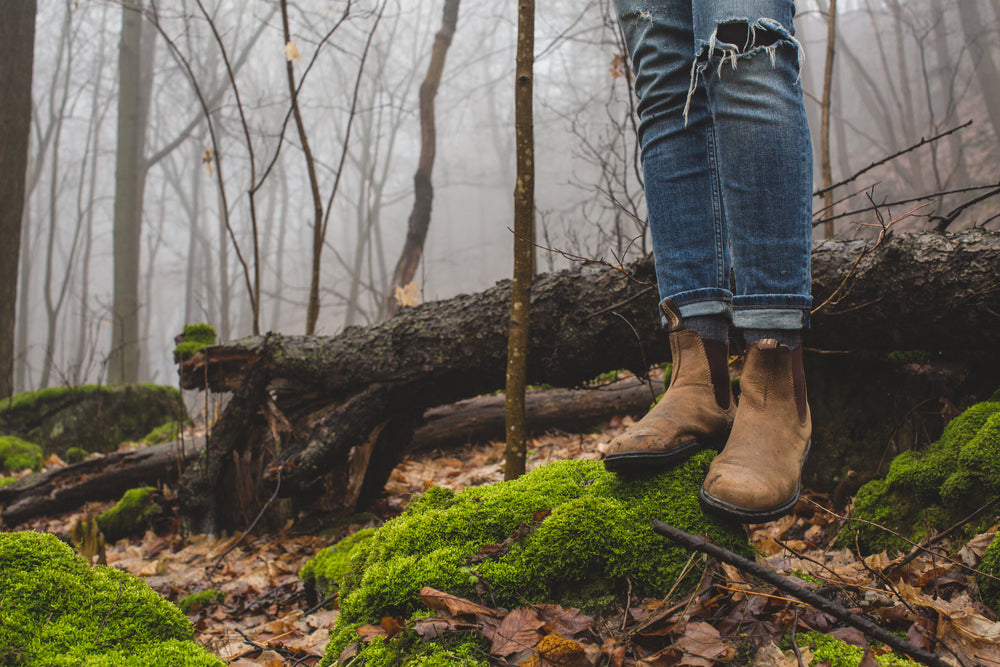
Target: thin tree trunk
{"type": "Point", "coordinates": [124, 358]}
{"type": "Point", "coordinates": [524, 249]}
{"type": "Point", "coordinates": [17, 48]}
{"type": "Point", "coordinates": [982, 60]}
{"type": "Point", "coordinates": [831, 47]}
{"type": "Point", "coordinates": [420, 216]}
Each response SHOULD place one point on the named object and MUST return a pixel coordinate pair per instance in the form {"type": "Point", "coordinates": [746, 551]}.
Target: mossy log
{"type": "Point", "coordinates": [328, 417]}
{"type": "Point", "coordinates": [95, 479]}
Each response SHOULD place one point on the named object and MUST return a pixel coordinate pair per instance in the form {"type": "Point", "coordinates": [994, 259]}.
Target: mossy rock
{"type": "Point", "coordinates": [130, 515]}
{"type": "Point", "coordinates": [193, 338]}
{"type": "Point", "coordinates": [17, 454]}
{"type": "Point", "coordinates": [324, 572]}
{"type": "Point", "coordinates": [935, 487]}
{"type": "Point", "coordinates": [96, 418]}
{"type": "Point", "coordinates": [989, 589]}
{"type": "Point", "coordinates": [168, 432]}
{"type": "Point", "coordinates": [831, 651]}
{"type": "Point", "coordinates": [568, 532]}
{"type": "Point", "coordinates": [466, 649]}
{"type": "Point", "coordinates": [60, 612]}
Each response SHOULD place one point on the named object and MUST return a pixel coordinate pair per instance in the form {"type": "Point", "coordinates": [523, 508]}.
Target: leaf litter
{"type": "Point", "coordinates": [264, 619]}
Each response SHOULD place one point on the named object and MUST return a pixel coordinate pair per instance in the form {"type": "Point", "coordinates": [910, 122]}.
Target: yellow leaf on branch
{"type": "Point", "coordinates": [408, 296]}
{"type": "Point", "coordinates": [291, 51]}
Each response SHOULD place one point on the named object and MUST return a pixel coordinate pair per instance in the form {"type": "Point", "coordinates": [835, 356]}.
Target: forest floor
{"type": "Point", "coordinates": [264, 618]}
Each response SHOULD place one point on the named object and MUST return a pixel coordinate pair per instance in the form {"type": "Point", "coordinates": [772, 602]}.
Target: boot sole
{"type": "Point", "coordinates": [713, 505]}
{"type": "Point", "coordinates": [651, 461]}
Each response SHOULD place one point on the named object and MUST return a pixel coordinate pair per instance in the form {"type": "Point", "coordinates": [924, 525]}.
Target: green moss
{"type": "Point", "coordinates": [54, 606]}
{"type": "Point", "coordinates": [17, 454]}
{"type": "Point", "coordinates": [989, 589]}
{"type": "Point", "coordinates": [328, 567]}
{"type": "Point", "coordinates": [196, 601]}
{"type": "Point", "coordinates": [568, 532]}
{"type": "Point", "coordinates": [7, 481]}
{"type": "Point", "coordinates": [836, 653]}
{"type": "Point", "coordinates": [93, 417]}
{"type": "Point", "coordinates": [131, 514]}
{"type": "Point", "coordinates": [76, 454]}
{"type": "Point", "coordinates": [466, 649]}
{"type": "Point", "coordinates": [164, 433]}
{"type": "Point", "coordinates": [935, 488]}
{"type": "Point", "coordinates": [195, 337]}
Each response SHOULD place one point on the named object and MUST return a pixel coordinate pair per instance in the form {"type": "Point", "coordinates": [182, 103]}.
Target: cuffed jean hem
{"type": "Point", "coordinates": [706, 301]}
{"type": "Point", "coordinates": [771, 311]}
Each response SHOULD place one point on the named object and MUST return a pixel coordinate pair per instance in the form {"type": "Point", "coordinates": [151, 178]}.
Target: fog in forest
{"type": "Point", "coordinates": [903, 71]}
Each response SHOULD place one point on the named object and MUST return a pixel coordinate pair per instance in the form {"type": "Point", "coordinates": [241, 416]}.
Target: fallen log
{"type": "Point", "coordinates": [336, 413]}
{"type": "Point", "coordinates": [481, 419]}
{"type": "Point", "coordinates": [95, 479]}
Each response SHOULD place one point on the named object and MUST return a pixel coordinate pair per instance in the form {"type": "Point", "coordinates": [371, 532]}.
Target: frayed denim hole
{"type": "Point", "coordinates": [741, 38]}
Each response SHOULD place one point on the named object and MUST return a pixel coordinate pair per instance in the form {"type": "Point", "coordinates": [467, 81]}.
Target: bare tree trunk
{"type": "Point", "coordinates": [129, 185]}
{"type": "Point", "coordinates": [831, 47]}
{"type": "Point", "coordinates": [420, 216]}
{"type": "Point", "coordinates": [17, 49]}
{"type": "Point", "coordinates": [524, 249]}
{"type": "Point", "coordinates": [986, 67]}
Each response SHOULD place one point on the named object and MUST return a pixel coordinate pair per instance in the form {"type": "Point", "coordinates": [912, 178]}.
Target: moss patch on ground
{"type": "Point", "coordinates": [96, 418]}
{"type": "Point", "coordinates": [58, 611]}
{"type": "Point", "coordinates": [196, 601]}
{"type": "Point", "coordinates": [130, 515]}
{"type": "Point", "coordinates": [836, 653]}
{"type": "Point", "coordinates": [935, 487]}
{"type": "Point", "coordinates": [568, 532]}
{"type": "Point", "coordinates": [17, 454]}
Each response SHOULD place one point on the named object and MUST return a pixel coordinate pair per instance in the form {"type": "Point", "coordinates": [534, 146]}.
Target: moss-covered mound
{"type": "Point", "coordinates": [130, 515]}
{"type": "Point", "coordinates": [935, 487]}
{"type": "Point", "coordinates": [17, 454]}
{"type": "Point", "coordinates": [58, 611]}
{"type": "Point", "coordinates": [989, 588]}
{"type": "Point", "coordinates": [96, 418]}
{"type": "Point", "coordinates": [568, 532]}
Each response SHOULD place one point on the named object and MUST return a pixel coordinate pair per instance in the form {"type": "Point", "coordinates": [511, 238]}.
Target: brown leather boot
{"type": "Point", "coordinates": [693, 414]}
{"type": "Point", "coordinates": [756, 478]}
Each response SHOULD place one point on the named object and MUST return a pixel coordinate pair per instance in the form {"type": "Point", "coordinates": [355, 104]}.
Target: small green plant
{"type": "Point", "coordinates": [130, 515]}
{"type": "Point", "coordinates": [76, 454]}
{"type": "Point", "coordinates": [17, 454]}
{"type": "Point", "coordinates": [989, 588]}
{"type": "Point", "coordinates": [197, 601]}
{"type": "Point", "coordinates": [194, 338]}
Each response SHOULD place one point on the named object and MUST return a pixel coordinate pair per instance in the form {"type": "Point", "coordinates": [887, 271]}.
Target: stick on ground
{"type": "Point", "coordinates": [805, 595]}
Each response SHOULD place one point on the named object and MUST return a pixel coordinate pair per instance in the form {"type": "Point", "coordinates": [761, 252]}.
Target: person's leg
{"type": "Point", "coordinates": [690, 247]}
{"type": "Point", "coordinates": [747, 60]}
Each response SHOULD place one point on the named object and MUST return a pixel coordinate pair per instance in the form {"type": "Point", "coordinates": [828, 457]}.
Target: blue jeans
{"type": "Point", "coordinates": [726, 155]}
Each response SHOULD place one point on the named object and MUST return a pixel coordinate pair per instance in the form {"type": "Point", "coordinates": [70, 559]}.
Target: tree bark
{"type": "Point", "coordinates": [825, 108]}
{"type": "Point", "coordinates": [133, 106]}
{"type": "Point", "coordinates": [17, 50]}
{"type": "Point", "coordinates": [322, 409]}
{"type": "Point", "coordinates": [420, 216]}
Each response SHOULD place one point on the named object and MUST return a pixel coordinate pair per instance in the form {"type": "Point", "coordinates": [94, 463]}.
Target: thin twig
{"type": "Point", "coordinates": [100, 630]}
{"type": "Point", "coordinates": [783, 583]}
{"type": "Point", "coordinates": [922, 142]}
{"type": "Point", "coordinates": [642, 351]}
{"type": "Point", "coordinates": [795, 644]}
{"type": "Point", "coordinates": [249, 530]}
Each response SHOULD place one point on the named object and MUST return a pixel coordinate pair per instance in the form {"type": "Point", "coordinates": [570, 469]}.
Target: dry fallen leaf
{"type": "Point", "coordinates": [519, 631]}
{"type": "Point", "coordinates": [450, 604]}
{"type": "Point", "coordinates": [701, 644]}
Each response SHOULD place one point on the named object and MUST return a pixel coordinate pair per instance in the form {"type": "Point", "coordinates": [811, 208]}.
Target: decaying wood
{"type": "Point", "coordinates": [482, 419]}
{"type": "Point", "coordinates": [788, 586]}
{"type": "Point", "coordinates": [96, 479]}
{"type": "Point", "coordinates": [352, 401]}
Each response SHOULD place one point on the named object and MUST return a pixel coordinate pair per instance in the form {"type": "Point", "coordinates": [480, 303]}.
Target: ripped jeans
{"type": "Point", "coordinates": [726, 155]}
